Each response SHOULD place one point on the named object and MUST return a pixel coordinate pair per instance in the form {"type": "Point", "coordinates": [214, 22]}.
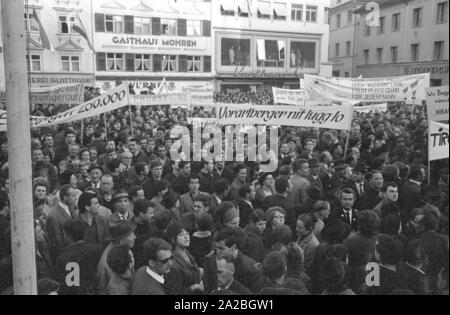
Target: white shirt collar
{"type": "Point", "coordinates": [416, 182]}
{"type": "Point", "coordinates": [65, 208]}
{"type": "Point", "coordinates": [219, 200]}
{"type": "Point", "coordinates": [154, 275]}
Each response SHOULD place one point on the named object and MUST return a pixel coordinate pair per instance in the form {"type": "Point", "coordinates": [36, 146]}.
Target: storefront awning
{"type": "Point", "coordinates": [264, 10]}
{"type": "Point", "coordinates": [227, 5]}
{"type": "Point", "coordinates": [279, 9]}
{"type": "Point", "coordinates": [243, 6]}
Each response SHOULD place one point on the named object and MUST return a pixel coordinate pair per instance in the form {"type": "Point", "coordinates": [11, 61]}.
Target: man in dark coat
{"type": "Point", "coordinates": [373, 195]}
{"type": "Point", "coordinates": [411, 196]}
{"type": "Point", "coordinates": [79, 252]}
{"type": "Point", "coordinates": [227, 283]}
{"type": "Point", "coordinates": [181, 184]}
{"type": "Point", "coordinates": [246, 196]}
{"type": "Point", "coordinates": [149, 185]}
{"type": "Point", "coordinates": [346, 212]}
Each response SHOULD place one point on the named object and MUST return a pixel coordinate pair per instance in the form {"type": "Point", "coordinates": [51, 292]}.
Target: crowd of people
{"type": "Point", "coordinates": [108, 196]}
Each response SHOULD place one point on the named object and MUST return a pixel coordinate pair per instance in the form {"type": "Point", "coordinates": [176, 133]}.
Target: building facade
{"type": "Point", "coordinates": [411, 38]}
{"type": "Point", "coordinates": [70, 60]}
{"type": "Point", "coordinates": [144, 42]}
{"type": "Point", "coordinates": [259, 44]}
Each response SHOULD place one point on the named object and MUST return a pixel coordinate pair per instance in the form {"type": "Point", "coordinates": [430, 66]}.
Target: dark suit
{"type": "Point", "coordinates": [341, 215]}
{"type": "Point", "coordinates": [245, 209]}
{"type": "Point", "coordinates": [411, 196]}
{"type": "Point", "coordinates": [182, 275]}
{"type": "Point", "coordinates": [359, 197]}
{"type": "Point", "coordinates": [144, 284]}
{"type": "Point", "coordinates": [140, 158]}
{"type": "Point", "coordinates": [371, 198]}
{"type": "Point", "coordinates": [98, 232]}
{"type": "Point", "coordinates": [149, 188]}
{"type": "Point", "coordinates": [87, 257]}
{"type": "Point", "coordinates": [239, 288]}
{"type": "Point", "coordinates": [206, 182]}
{"type": "Point", "coordinates": [389, 281]}
{"type": "Point", "coordinates": [186, 203]}
{"type": "Point", "coordinates": [414, 279]}
{"type": "Point", "coordinates": [56, 218]}
{"type": "Point", "coordinates": [214, 205]}
{"type": "Point", "coordinates": [180, 185]}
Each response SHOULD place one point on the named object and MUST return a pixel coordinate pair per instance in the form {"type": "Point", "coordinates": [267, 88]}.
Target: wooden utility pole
{"type": "Point", "coordinates": [19, 140]}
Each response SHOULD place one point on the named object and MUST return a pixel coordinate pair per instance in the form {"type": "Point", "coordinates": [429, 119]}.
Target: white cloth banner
{"type": "Point", "coordinates": [72, 95]}
{"type": "Point", "coordinates": [178, 99]}
{"type": "Point", "coordinates": [331, 117]}
{"type": "Point", "coordinates": [382, 108]}
{"type": "Point", "coordinates": [114, 99]}
{"type": "Point", "coordinates": [200, 96]}
{"type": "Point", "coordinates": [438, 141]}
{"type": "Point", "coordinates": [394, 89]}
{"type": "Point", "coordinates": [290, 97]}
{"type": "Point", "coordinates": [437, 103]}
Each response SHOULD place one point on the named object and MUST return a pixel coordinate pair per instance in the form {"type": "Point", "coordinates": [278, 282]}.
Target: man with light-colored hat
{"type": "Point", "coordinates": [122, 207]}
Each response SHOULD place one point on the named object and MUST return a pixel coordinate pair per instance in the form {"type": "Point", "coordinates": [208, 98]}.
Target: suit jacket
{"type": "Point", "coordinates": [56, 218]}
{"type": "Point", "coordinates": [244, 212]}
{"type": "Point", "coordinates": [411, 196]}
{"type": "Point", "coordinates": [239, 288]}
{"type": "Point", "coordinates": [114, 219]}
{"type": "Point", "coordinates": [187, 203]}
{"type": "Point", "coordinates": [207, 182]}
{"type": "Point", "coordinates": [371, 198]}
{"type": "Point", "coordinates": [413, 278]}
{"type": "Point", "coordinates": [98, 231]}
{"type": "Point", "coordinates": [309, 245]}
{"type": "Point", "coordinates": [214, 205]}
{"type": "Point", "coordinates": [340, 214]}
{"type": "Point", "coordinates": [149, 188]}
{"type": "Point", "coordinates": [180, 185]}
{"type": "Point", "coordinates": [182, 275]}
{"type": "Point", "coordinates": [140, 158]}
{"type": "Point", "coordinates": [144, 284]}
{"type": "Point", "coordinates": [359, 197]}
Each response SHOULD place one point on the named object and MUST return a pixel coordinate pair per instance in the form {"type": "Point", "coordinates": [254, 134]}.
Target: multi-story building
{"type": "Point", "coordinates": [411, 38]}
{"type": "Point", "coordinates": [265, 43]}
{"type": "Point", "coordinates": [70, 60]}
{"type": "Point", "coordinates": [145, 42]}
{"type": "Point", "coordinates": [342, 22]}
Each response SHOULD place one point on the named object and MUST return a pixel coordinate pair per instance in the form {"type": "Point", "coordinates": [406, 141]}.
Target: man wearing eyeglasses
{"type": "Point", "coordinates": [149, 280]}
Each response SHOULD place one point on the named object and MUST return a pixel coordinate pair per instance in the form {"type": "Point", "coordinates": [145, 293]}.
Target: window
{"type": "Point", "coordinates": [415, 52]}
{"type": "Point", "coordinates": [336, 74]}
{"type": "Point", "coordinates": [442, 12]}
{"type": "Point", "coordinates": [350, 17]}
{"type": "Point", "coordinates": [394, 54]}
{"type": "Point", "coordinates": [226, 8]}
{"type": "Point", "coordinates": [194, 28]}
{"type": "Point", "coordinates": [417, 17]}
{"type": "Point", "coordinates": [297, 12]}
{"type": "Point", "coordinates": [366, 56]}
{"type": "Point", "coordinates": [303, 55]}
{"type": "Point", "coordinates": [279, 11]}
{"type": "Point", "coordinates": [65, 24]}
{"type": "Point", "coordinates": [348, 48]}
{"type": "Point", "coordinates": [270, 53]}
{"type": "Point", "coordinates": [367, 30]}
{"type": "Point", "coordinates": [114, 23]}
{"type": "Point", "coordinates": [243, 9]}
{"type": "Point", "coordinates": [114, 62]}
{"type": "Point", "coordinates": [439, 50]}
{"type": "Point", "coordinates": [169, 63]}
{"type": "Point", "coordinates": [381, 25]}
{"type": "Point", "coordinates": [142, 26]}
{"type": "Point", "coordinates": [168, 27]}
{"type": "Point", "coordinates": [194, 63]}
{"type": "Point", "coordinates": [70, 63]}
{"type": "Point", "coordinates": [235, 52]}
{"type": "Point", "coordinates": [380, 55]}
{"type": "Point", "coordinates": [338, 21]}
{"type": "Point", "coordinates": [347, 74]}
{"type": "Point", "coordinates": [30, 23]}
{"type": "Point", "coordinates": [311, 13]}
{"type": "Point", "coordinates": [337, 47]}
{"type": "Point", "coordinates": [396, 22]}
{"type": "Point", "coordinates": [142, 62]}
{"type": "Point", "coordinates": [34, 64]}
{"type": "Point", "coordinates": [264, 11]}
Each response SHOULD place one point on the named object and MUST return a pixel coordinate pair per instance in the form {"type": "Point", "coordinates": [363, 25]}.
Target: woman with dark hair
{"type": "Point", "coordinates": [267, 188]}
{"type": "Point", "coordinates": [361, 245]}
{"type": "Point", "coordinates": [306, 238]}
{"type": "Point", "coordinates": [255, 235]}
{"type": "Point", "coordinates": [172, 203]}
{"type": "Point", "coordinates": [334, 277]}
{"type": "Point", "coordinates": [184, 277]}
{"type": "Point", "coordinates": [161, 190]}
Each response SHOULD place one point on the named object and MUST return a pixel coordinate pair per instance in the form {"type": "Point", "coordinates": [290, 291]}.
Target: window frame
{"type": "Point", "coordinates": [394, 49]}
{"type": "Point", "coordinates": [337, 50]}
{"type": "Point", "coordinates": [415, 52]}
{"type": "Point", "coordinates": [114, 23]}
{"type": "Point", "coordinates": [71, 63]}
{"type": "Point", "coordinates": [141, 21]}
{"type": "Point", "coordinates": [417, 23]}
{"type": "Point", "coordinates": [396, 22]}
{"type": "Point", "coordinates": [382, 25]}
{"type": "Point", "coordinates": [380, 53]}
{"type": "Point", "coordinates": [115, 59]}
{"type": "Point", "coordinates": [29, 59]}
{"type": "Point", "coordinates": [348, 48]}
{"type": "Point", "coordinates": [29, 22]}
{"type": "Point", "coordinates": [366, 56]}
{"type": "Point", "coordinates": [70, 21]}
{"type": "Point", "coordinates": [444, 12]}
{"type": "Point", "coordinates": [192, 62]}
{"type": "Point", "coordinates": [308, 12]}
{"type": "Point", "coordinates": [267, 63]}
{"type": "Point", "coordinates": [199, 28]}
{"type": "Point", "coordinates": [295, 8]}
{"type": "Point", "coordinates": [170, 61]}
{"type": "Point", "coordinates": [175, 28]}
{"type": "Point", "coordinates": [441, 51]}
{"type": "Point", "coordinates": [143, 60]}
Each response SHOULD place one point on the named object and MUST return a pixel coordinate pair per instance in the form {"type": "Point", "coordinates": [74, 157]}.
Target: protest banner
{"type": "Point", "coordinates": [332, 117]}
{"type": "Point", "coordinates": [3, 120]}
{"type": "Point", "coordinates": [394, 89]}
{"type": "Point", "coordinates": [437, 103]}
{"type": "Point", "coordinates": [290, 97]}
{"type": "Point", "coordinates": [438, 141]}
{"type": "Point", "coordinates": [71, 95]}
{"type": "Point", "coordinates": [382, 108]}
{"type": "Point", "coordinates": [178, 100]}
{"type": "Point", "coordinates": [114, 99]}
{"type": "Point", "coordinates": [200, 96]}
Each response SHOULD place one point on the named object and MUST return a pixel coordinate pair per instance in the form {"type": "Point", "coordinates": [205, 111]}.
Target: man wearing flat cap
{"type": "Point", "coordinates": [122, 207]}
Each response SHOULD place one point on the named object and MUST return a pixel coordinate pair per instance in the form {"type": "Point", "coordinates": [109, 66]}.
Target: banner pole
{"type": "Point", "coordinates": [82, 133]}
{"type": "Point", "coordinates": [346, 145]}
{"type": "Point", "coordinates": [130, 111]}
{"type": "Point", "coordinates": [106, 126]}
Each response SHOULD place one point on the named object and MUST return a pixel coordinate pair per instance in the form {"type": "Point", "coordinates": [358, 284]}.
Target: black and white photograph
{"type": "Point", "coordinates": [224, 154]}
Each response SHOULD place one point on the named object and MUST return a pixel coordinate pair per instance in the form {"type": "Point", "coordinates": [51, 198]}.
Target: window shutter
{"type": "Point", "coordinates": [129, 62]}
{"type": "Point", "coordinates": [101, 61]}
{"type": "Point", "coordinates": [183, 63]}
{"type": "Point", "coordinates": [182, 27]}
{"type": "Point", "coordinates": [129, 24]}
{"type": "Point", "coordinates": [206, 63]}
{"type": "Point", "coordinates": [157, 63]}
{"type": "Point", "coordinates": [156, 26]}
{"type": "Point", "coordinates": [99, 22]}
{"type": "Point", "coordinates": [207, 28]}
